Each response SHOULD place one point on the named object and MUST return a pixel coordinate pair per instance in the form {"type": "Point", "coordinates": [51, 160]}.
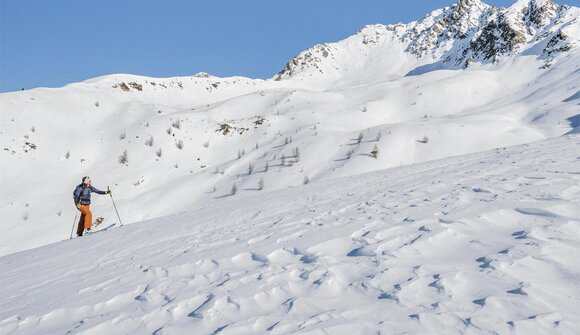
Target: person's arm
{"type": "Point", "coordinates": [77, 195]}
{"type": "Point", "coordinates": [94, 189]}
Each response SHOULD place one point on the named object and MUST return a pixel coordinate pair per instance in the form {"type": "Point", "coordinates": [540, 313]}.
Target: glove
{"type": "Point", "coordinates": [109, 192]}
{"type": "Point", "coordinates": [78, 206]}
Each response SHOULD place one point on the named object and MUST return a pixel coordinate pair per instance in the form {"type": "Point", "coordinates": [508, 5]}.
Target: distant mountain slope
{"type": "Point", "coordinates": [384, 97]}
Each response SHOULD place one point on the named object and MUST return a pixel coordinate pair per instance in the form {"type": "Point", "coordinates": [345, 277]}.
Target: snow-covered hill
{"type": "Point", "coordinates": [481, 244]}
{"type": "Point", "coordinates": [464, 79]}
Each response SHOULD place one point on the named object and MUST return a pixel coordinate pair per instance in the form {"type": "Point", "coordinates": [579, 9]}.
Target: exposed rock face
{"type": "Point", "coordinates": [497, 38]}
{"type": "Point", "coordinates": [309, 58]}
{"type": "Point", "coordinates": [455, 22]}
{"type": "Point", "coordinates": [559, 43]}
{"type": "Point", "coordinates": [541, 12]}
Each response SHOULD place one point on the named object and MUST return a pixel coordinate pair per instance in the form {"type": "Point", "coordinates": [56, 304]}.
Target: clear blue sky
{"type": "Point", "coordinates": [54, 42]}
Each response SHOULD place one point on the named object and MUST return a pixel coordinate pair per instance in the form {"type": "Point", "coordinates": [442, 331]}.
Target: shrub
{"type": "Point", "coordinates": [159, 152]}
{"type": "Point", "coordinates": [250, 168]}
{"type": "Point", "coordinates": [349, 154]}
{"type": "Point", "coordinates": [261, 184]}
{"type": "Point", "coordinates": [67, 155]}
{"type": "Point", "coordinates": [168, 131]}
{"type": "Point", "coordinates": [306, 180]}
{"type": "Point", "coordinates": [375, 152]}
{"type": "Point", "coordinates": [296, 153]}
{"type": "Point", "coordinates": [359, 138]}
{"type": "Point", "coordinates": [97, 104]}
{"type": "Point", "coordinates": [124, 158]}
{"type": "Point", "coordinates": [149, 141]}
{"type": "Point", "coordinates": [234, 189]}
{"type": "Point", "coordinates": [176, 124]}
{"type": "Point", "coordinates": [179, 144]}
{"type": "Point", "coordinates": [122, 136]}
{"type": "Point", "coordinates": [206, 144]}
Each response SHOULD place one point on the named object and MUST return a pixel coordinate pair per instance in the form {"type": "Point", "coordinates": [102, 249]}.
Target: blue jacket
{"type": "Point", "coordinates": [82, 194]}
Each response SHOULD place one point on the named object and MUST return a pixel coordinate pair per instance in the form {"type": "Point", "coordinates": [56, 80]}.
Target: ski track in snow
{"type": "Point", "coordinates": [485, 243]}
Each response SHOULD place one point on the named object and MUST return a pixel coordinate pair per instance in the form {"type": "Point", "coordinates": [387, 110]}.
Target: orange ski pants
{"type": "Point", "coordinates": [86, 220]}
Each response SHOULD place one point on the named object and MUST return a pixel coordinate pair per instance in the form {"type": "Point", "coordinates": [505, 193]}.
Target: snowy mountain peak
{"type": "Point", "coordinates": [469, 31]}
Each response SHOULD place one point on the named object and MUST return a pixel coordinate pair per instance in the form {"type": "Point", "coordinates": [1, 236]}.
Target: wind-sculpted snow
{"type": "Point", "coordinates": [479, 244]}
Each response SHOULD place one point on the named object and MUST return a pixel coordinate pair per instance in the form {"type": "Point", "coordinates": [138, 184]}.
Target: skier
{"type": "Point", "coordinates": [82, 197]}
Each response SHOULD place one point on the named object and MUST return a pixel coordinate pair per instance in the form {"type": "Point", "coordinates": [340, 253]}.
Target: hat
{"type": "Point", "coordinates": [86, 178]}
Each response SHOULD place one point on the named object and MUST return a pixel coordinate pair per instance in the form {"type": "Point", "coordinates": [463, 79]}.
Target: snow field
{"type": "Point", "coordinates": [458, 111]}
{"type": "Point", "coordinates": [475, 244]}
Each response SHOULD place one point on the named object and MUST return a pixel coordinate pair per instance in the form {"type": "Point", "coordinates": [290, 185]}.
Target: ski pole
{"type": "Point", "coordinates": [114, 205]}
{"type": "Point", "coordinates": [73, 227]}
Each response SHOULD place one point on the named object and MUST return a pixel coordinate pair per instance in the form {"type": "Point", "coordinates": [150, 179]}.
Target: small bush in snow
{"type": "Point", "coordinates": [149, 141]}
{"type": "Point", "coordinates": [97, 104]}
{"type": "Point", "coordinates": [159, 152]}
{"type": "Point", "coordinates": [206, 144]}
{"type": "Point", "coordinates": [359, 138]}
{"type": "Point", "coordinates": [379, 135]}
{"type": "Point", "coordinates": [349, 154]}
{"type": "Point", "coordinates": [179, 144]}
{"type": "Point", "coordinates": [124, 158]}
{"type": "Point", "coordinates": [266, 167]}
{"type": "Point", "coordinates": [169, 131]}
{"type": "Point", "coordinates": [67, 155]}
{"type": "Point", "coordinates": [25, 216]}
{"type": "Point", "coordinates": [176, 124]}
{"type": "Point", "coordinates": [296, 153]}
{"type": "Point", "coordinates": [33, 129]}
{"type": "Point", "coordinates": [250, 168]}
{"type": "Point", "coordinates": [306, 180]}
{"type": "Point", "coordinates": [122, 136]}
{"type": "Point", "coordinates": [234, 189]}
{"type": "Point", "coordinates": [375, 152]}
{"type": "Point", "coordinates": [261, 184]}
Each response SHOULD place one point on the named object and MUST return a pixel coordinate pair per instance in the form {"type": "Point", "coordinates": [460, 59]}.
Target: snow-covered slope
{"type": "Point", "coordinates": [482, 244]}
{"type": "Point", "coordinates": [464, 79]}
